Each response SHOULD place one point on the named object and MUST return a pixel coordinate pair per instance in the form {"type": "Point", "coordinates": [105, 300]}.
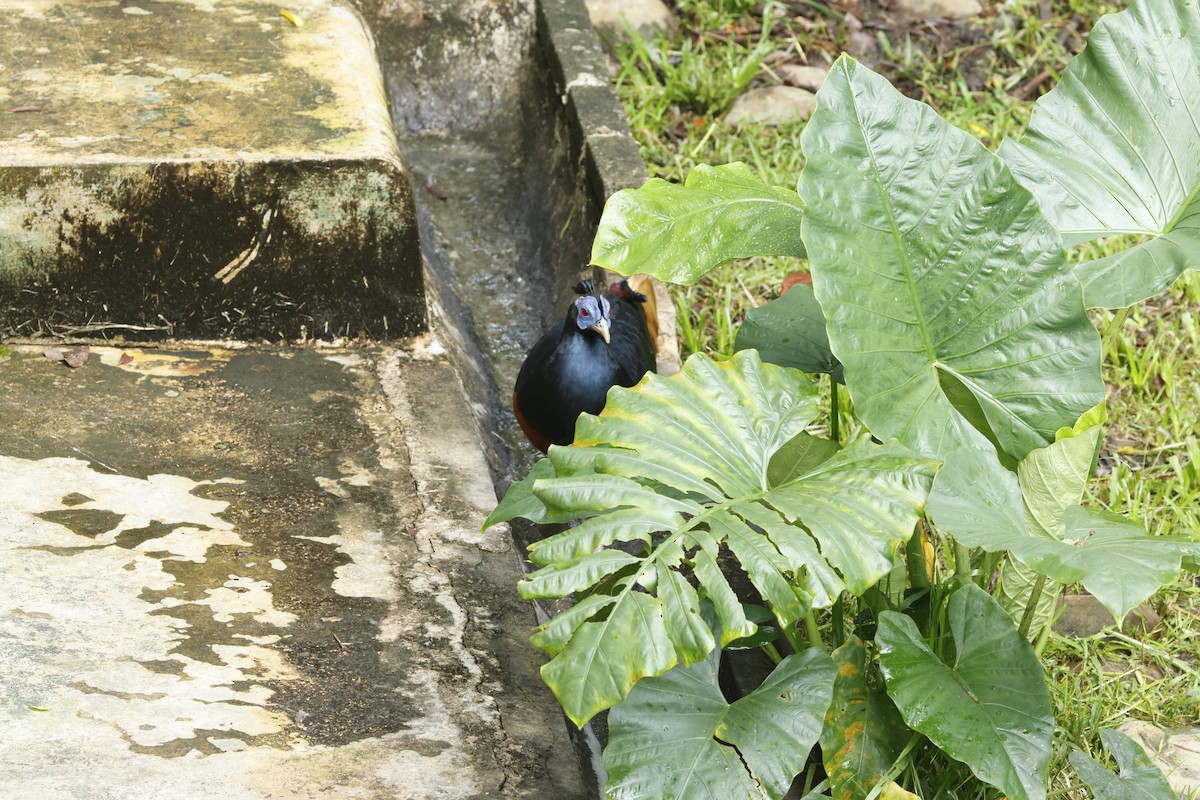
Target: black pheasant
{"type": "Point", "coordinates": [602, 341]}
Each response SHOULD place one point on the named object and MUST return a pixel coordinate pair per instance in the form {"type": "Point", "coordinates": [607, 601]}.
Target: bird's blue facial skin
{"type": "Point", "coordinates": [589, 309]}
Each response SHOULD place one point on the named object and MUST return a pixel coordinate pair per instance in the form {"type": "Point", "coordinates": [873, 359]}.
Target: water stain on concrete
{"type": "Point", "coordinates": [230, 555]}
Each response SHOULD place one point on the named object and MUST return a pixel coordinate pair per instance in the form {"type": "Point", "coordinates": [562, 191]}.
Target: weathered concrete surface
{"type": "Point", "coordinates": [172, 167]}
{"type": "Point", "coordinates": [246, 573]}
{"type": "Point", "coordinates": [515, 140]}
{"type": "Point", "coordinates": [646, 18]}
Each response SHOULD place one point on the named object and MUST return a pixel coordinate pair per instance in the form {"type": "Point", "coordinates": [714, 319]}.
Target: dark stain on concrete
{"type": "Point", "coordinates": [84, 521]}
{"type": "Point", "coordinates": [264, 423]}
{"type": "Point", "coordinates": [155, 265]}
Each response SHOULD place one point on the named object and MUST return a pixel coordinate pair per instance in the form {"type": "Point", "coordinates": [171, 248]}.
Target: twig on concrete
{"type": "Point", "coordinates": [103, 326]}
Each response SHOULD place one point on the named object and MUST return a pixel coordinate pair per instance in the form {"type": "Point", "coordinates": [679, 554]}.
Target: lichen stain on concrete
{"type": "Point", "coordinates": [182, 79]}
{"type": "Point", "coordinates": [258, 569]}
{"type": "Point", "coordinates": [96, 635]}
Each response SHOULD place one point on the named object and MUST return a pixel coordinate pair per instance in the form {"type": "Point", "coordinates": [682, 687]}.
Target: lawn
{"type": "Point", "coordinates": [982, 75]}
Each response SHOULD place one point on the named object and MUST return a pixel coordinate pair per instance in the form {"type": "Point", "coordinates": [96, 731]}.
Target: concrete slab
{"type": "Point", "coordinates": [253, 573]}
{"type": "Point", "coordinates": [193, 168]}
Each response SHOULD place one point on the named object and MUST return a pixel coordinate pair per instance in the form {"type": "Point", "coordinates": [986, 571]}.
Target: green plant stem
{"type": "Point", "coordinates": [1035, 595]}
{"type": "Point", "coordinates": [772, 652]}
{"type": "Point", "coordinates": [1112, 332]}
{"type": "Point", "coordinates": [838, 619]}
{"type": "Point", "coordinates": [991, 563]}
{"type": "Point", "coordinates": [703, 141]}
{"type": "Point", "coordinates": [1044, 637]}
{"type": "Point", "coordinates": [789, 633]}
{"type": "Point", "coordinates": [962, 560]}
{"type": "Point", "coordinates": [914, 557]}
{"type": "Point", "coordinates": [814, 633]}
{"type": "Point", "coordinates": [896, 768]}
{"type": "Point", "coordinates": [833, 410]}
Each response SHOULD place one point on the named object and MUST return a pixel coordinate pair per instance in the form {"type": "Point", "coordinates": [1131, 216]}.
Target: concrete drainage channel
{"type": "Point", "coordinates": [255, 570]}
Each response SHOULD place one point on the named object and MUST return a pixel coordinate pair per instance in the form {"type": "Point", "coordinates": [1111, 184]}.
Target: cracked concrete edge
{"type": "Point", "coordinates": [475, 580]}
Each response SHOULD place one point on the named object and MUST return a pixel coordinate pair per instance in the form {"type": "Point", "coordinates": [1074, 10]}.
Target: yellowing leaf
{"type": "Point", "coordinates": [893, 791]}
{"type": "Point", "coordinates": [863, 733]}
{"type": "Point", "coordinates": [290, 17]}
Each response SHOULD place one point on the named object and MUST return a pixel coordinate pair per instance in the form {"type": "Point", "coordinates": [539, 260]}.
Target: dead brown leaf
{"type": "Point", "coordinates": [795, 277]}
{"type": "Point", "coordinates": [78, 358]}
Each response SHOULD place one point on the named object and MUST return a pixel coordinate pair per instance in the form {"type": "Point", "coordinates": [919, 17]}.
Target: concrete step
{"type": "Point", "coordinates": [257, 573]}
{"type": "Point", "coordinates": [181, 168]}
{"type": "Point", "coordinates": [513, 142]}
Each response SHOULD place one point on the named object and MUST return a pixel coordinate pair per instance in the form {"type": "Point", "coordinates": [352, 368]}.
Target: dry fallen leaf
{"type": "Point", "coordinates": [125, 359]}
{"type": "Point", "coordinates": [78, 358]}
{"type": "Point", "coordinates": [53, 353]}
{"type": "Point", "coordinates": [795, 277]}
{"type": "Point", "coordinates": [290, 17]}
{"type": "Point", "coordinates": [433, 189]}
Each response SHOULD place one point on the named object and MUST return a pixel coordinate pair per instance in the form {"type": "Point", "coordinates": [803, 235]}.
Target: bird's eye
{"type": "Point", "coordinates": [583, 312]}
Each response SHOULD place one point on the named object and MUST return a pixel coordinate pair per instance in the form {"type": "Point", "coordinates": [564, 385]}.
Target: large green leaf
{"type": "Point", "coordinates": [801, 455]}
{"type": "Point", "coordinates": [790, 331]}
{"type": "Point", "coordinates": [861, 505]}
{"type": "Point", "coordinates": [519, 501]}
{"type": "Point", "coordinates": [712, 424]}
{"type": "Point", "coordinates": [1113, 149]}
{"type": "Point", "coordinates": [929, 259]}
{"type": "Point", "coordinates": [863, 732]}
{"type": "Point", "coordinates": [587, 676]}
{"type": "Point", "coordinates": [1139, 779]}
{"type": "Point", "coordinates": [681, 466]}
{"type": "Point", "coordinates": [984, 505]}
{"type": "Point", "coordinates": [978, 502]}
{"type": "Point", "coordinates": [1116, 560]}
{"type": "Point", "coordinates": [990, 708]}
{"type": "Point", "coordinates": [678, 233]}
{"type": "Point", "coordinates": [676, 737]}
{"type": "Point", "coordinates": [1052, 479]}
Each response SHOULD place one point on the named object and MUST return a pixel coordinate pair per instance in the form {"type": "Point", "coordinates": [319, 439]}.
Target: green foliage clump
{"type": "Point", "coordinates": [931, 544]}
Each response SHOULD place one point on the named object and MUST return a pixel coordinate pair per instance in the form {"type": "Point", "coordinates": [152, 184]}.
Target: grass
{"type": "Point", "coordinates": [982, 76]}
{"type": "Point", "coordinates": [1150, 468]}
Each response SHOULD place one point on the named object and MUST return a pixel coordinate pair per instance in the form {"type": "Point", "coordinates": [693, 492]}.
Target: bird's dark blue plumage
{"type": "Point", "coordinates": [602, 341]}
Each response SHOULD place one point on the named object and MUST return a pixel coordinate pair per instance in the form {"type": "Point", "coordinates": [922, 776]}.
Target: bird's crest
{"type": "Point", "coordinates": [586, 286]}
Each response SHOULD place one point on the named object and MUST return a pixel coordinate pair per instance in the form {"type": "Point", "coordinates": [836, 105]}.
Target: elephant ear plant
{"type": "Point", "coordinates": [943, 301]}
